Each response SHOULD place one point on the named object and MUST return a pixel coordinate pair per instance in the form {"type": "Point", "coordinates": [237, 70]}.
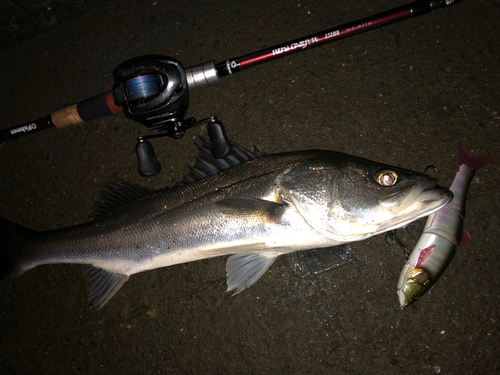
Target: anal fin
{"type": "Point", "coordinates": [105, 284]}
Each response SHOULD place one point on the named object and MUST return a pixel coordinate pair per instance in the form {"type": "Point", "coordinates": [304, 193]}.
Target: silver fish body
{"type": "Point", "coordinates": [258, 210]}
{"type": "Point", "coordinates": [441, 236]}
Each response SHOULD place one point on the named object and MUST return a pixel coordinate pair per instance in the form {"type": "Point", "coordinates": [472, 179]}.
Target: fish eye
{"type": "Point", "coordinates": [416, 296]}
{"type": "Point", "coordinates": [386, 178]}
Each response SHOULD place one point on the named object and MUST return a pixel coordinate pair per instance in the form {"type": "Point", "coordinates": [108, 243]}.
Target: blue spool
{"type": "Point", "coordinates": [142, 87]}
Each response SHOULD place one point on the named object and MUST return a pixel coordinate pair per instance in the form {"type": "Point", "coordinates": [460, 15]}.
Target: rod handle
{"type": "Point", "coordinates": [99, 106]}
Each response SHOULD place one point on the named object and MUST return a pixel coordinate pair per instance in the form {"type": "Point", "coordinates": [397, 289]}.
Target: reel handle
{"type": "Point", "coordinates": [219, 143]}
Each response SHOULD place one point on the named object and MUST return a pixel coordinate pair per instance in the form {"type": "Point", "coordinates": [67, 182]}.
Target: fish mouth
{"type": "Point", "coordinates": [436, 196]}
{"type": "Point", "coordinates": [426, 193]}
{"type": "Point", "coordinates": [427, 198]}
{"type": "Point", "coordinates": [430, 200]}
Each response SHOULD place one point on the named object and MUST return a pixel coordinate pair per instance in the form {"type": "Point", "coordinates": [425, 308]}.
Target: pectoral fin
{"type": "Point", "coordinates": [105, 284]}
{"type": "Point", "coordinates": [243, 270]}
{"type": "Point", "coordinates": [268, 210]}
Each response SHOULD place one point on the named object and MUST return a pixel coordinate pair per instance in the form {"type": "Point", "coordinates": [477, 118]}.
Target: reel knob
{"type": "Point", "coordinates": [219, 141]}
{"type": "Point", "coordinates": [148, 163]}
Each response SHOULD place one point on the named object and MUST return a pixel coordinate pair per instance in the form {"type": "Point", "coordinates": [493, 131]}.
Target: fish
{"type": "Point", "coordinates": [249, 206]}
{"type": "Point", "coordinates": [443, 233]}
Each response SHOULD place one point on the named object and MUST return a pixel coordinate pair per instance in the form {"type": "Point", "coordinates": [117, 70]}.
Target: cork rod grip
{"type": "Point", "coordinates": [67, 116]}
{"type": "Point", "coordinates": [90, 109]}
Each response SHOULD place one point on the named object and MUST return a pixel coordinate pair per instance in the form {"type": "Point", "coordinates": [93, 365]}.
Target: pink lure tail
{"type": "Point", "coordinates": [465, 239]}
{"type": "Point", "coordinates": [474, 162]}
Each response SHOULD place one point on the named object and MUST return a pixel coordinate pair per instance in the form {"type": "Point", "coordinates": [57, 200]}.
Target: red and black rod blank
{"type": "Point", "coordinates": [411, 10]}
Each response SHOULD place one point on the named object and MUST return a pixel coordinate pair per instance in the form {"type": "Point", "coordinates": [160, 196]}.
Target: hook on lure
{"type": "Point", "coordinates": [432, 167]}
{"type": "Point", "coordinates": [393, 237]}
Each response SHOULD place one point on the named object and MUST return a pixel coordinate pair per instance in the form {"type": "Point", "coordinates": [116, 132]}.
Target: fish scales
{"type": "Point", "coordinates": [167, 217]}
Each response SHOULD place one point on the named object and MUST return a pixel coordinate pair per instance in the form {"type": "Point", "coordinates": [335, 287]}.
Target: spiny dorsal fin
{"type": "Point", "coordinates": [105, 284]}
{"type": "Point", "coordinates": [118, 193]}
{"type": "Point", "coordinates": [206, 165]}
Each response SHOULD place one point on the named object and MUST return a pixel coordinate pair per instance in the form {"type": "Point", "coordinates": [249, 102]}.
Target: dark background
{"type": "Point", "coordinates": [407, 94]}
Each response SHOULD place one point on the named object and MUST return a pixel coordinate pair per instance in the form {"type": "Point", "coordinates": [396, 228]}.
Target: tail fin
{"type": "Point", "coordinates": [474, 162]}
{"type": "Point", "coordinates": [10, 234]}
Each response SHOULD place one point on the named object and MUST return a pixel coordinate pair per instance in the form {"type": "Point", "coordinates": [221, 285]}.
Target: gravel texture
{"type": "Point", "coordinates": [407, 94]}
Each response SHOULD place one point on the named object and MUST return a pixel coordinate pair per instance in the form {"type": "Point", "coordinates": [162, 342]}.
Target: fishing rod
{"type": "Point", "coordinates": [154, 89]}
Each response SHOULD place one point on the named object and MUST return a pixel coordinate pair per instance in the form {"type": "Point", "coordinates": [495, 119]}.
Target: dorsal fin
{"type": "Point", "coordinates": [206, 165]}
{"type": "Point", "coordinates": [121, 192]}
{"type": "Point", "coordinates": [116, 194]}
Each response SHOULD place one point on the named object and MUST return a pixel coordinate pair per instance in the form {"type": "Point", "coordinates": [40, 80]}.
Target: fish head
{"type": "Point", "coordinates": [347, 198]}
{"type": "Point", "coordinates": [415, 284]}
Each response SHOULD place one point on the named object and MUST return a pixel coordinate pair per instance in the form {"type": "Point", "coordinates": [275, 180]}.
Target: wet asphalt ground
{"type": "Point", "coordinates": [407, 94]}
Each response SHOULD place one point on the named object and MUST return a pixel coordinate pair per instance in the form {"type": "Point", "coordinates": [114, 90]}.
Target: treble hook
{"type": "Point", "coordinates": [431, 166]}
{"type": "Point", "coordinates": [394, 237]}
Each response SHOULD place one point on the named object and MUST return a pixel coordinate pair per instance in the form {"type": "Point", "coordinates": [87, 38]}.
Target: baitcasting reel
{"type": "Point", "coordinates": [153, 90]}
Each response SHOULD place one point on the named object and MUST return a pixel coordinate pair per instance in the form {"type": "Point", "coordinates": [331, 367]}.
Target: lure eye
{"type": "Point", "coordinates": [386, 178]}
{"type": "Point", "coordinates": [416, 296]}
